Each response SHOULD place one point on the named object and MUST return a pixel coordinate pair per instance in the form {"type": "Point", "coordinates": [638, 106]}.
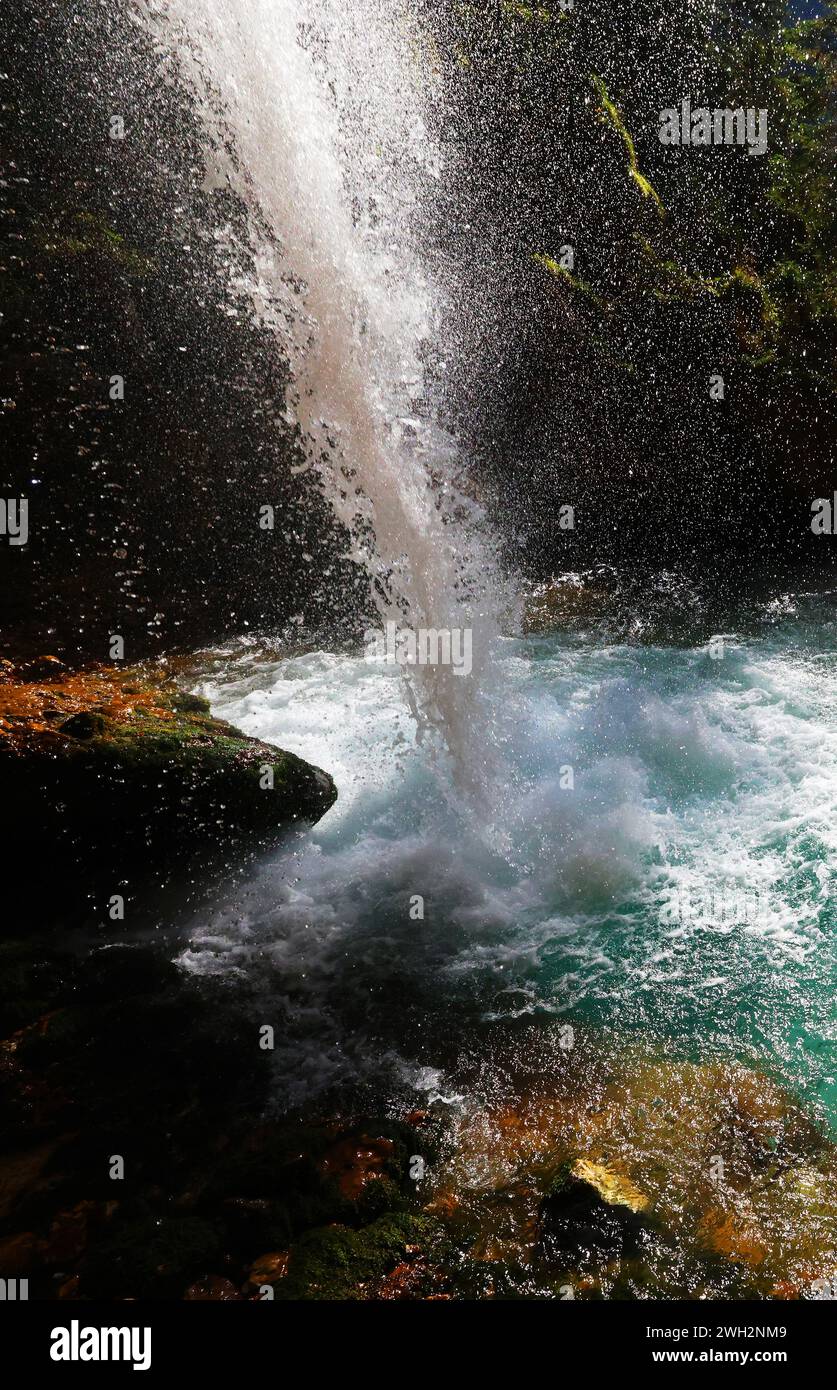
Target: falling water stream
{"type": "Point", "coordinates": [324, 104]}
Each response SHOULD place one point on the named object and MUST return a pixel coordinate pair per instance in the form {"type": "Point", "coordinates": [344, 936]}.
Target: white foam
{"type": "Point", "coordinates": [688, 780]}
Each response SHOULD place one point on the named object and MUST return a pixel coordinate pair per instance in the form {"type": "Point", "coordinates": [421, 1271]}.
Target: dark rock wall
{"type": "Point", "coordinates": [593, 389]}
{"type": "Point", "coordinates": [115, 261]}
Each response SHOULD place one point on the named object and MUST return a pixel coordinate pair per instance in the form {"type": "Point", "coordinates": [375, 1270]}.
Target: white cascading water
{"type": "Point", "coordinates": [324, 104]}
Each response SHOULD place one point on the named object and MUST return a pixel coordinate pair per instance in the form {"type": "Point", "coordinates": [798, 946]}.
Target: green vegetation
{"type": "Point", "coordinates": [87, 234]}
{"type": "Point", "coordinates": [610, 115]}
{"type": "Point", "coordinates": [562, 273]}
{"type": "Point", "coordinates": [335, 1262]}
{"type": "Point", "coordinates": [756, 236]}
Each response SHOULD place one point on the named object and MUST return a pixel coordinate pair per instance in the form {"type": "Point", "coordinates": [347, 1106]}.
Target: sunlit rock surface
{"type": "Point", "coordinates": [637, 1177]}
{"type": "Point", "coordinates": [125, 761]}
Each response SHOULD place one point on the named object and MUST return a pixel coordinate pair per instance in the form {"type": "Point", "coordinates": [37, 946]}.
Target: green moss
{"type": "Point", "coordinates": [560, 272]}
{"type": "Point", "coordinates": [186, 703]}
{"type": "Point", "coordinates": [89, 235]}
{"type": "Point", "coordinates": [673, 282]}
{"type": "Point", "coordinates": [562, 1179]}
{"type": "Point", "coordinates": [612, 117]}
{"type": "Point", "coordinates": [335, 1262]}
{"type": "Point", "coordinates": [796, 283]}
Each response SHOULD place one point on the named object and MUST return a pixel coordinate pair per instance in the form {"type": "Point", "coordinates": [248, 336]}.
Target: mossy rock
{"type": "Point", "coordinates": [125, 764]}
{"type": "Point", "coordinates": [281, 1183]}
{"type": "Point", "coordinates": [337, 1263]}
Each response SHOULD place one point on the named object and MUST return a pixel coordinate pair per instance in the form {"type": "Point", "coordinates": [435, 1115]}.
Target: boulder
{"type": "Point", "coordinates": [122, 765]}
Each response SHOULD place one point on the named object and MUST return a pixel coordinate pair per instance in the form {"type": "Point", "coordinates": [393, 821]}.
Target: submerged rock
{"type": "Point", "coordinates": [631, 1176]}
{"type": "Point", "coordinates": [612, 1188]}
{"type": "Point", "coordinates": [355, 1162]}
{"type": "Point", "coordinates": [592, 1212]}
{"type": "Point", "coordinates": [625, 606]}
{"type": "Point", "coordinates": [121, 762]}
{"type": "Point", "coordinates": [267, 1269]}
{"type": "Point", "coordinates": [85, 724]}
{"type": "Point", "coordinates": [568, 601]}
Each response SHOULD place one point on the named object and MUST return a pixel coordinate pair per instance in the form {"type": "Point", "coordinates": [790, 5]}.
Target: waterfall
{"type": "Point", "coordinates": [323, 105]}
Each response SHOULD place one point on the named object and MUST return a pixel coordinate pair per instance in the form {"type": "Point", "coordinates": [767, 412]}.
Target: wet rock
{"type": "Point", "coordinates": [592, 1213]}
{"type": "Point", "coordinates": [107, 769]}
{"type": "Point", "coordinates": [405, 1281]}
{"type": "Point", "coordinates": [282, 1180]}
{"type": "Point", "coordinates": [613, 1188]}
{"type": "Point", "coordinates": [117, 972]}
{"type": "Point", "coordinates": [20, 1254]}
{"type": "Point", "coordinates": [645, 1177]}
{"type": "Point", "coordinates": [42, 668]}
{"type": "Point", "coordinates": [336, 1262]}
{"type": "Point", "coordinates": [568, 601]}
{"type": "Point", "coordinates": [85, 724]}
{"type": "Point", "coordinates": [212, 1289]}
{"type": "Point", "coordinates": [734, 1234]}
{"type": "Point", "coordinates": [417, 1118]}
{"type": "Point", "coordinates": [186, 703]}
{"type": "Point", "coordinates": [268, 1269]}
{"type": "Point", "coordinates": [624, 605]}
{"type": "Point", "coordinates": [355, 1163]}
{"type": "Point", "coordinates": [721, 1152]}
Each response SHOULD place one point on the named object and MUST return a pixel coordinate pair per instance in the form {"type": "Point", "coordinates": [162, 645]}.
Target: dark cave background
{"type": "Point", "coordinates": [144, 513]}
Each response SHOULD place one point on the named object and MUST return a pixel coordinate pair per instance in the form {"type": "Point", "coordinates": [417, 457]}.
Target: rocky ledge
{"type": "Point", "coordinates": [123, 763]}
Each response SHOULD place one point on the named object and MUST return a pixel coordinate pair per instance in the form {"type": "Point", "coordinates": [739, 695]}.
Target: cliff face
{"type": "Point", "coordinates": [142, 407]}
{"type": "Point", "coordinates": [608, 277]}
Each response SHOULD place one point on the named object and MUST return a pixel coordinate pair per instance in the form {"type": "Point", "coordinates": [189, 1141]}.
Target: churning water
{"type": "Point", "coordinates": [675, 893]}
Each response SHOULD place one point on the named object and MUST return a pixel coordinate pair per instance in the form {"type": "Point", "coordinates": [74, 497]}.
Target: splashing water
{"type": "Point", "coordinates": [681, 891]}
{"type": "Point", "coordinates": [324, 106]}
